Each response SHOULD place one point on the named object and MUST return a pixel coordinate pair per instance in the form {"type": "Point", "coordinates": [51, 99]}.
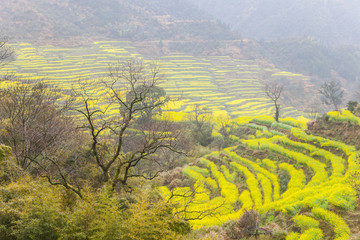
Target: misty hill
{"type": "Point", "coordinates": [77, 20]}
{"type": "Point", "coordinates": [158, 27]}
{"type": "Point", "coordinates": [313, 58]}
{"type": "Point", "coordinates": [332, 21]}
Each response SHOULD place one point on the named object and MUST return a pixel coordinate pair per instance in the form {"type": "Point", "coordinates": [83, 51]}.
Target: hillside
{"type": "Point", "coordinates": [152, 120]}
{"type": "Point", "coordinates": [222, 83]}
{"type": "Point", "coordinates": [314, 58]}
{"type": "Point", "coordinates": [74, 22]}
{"type": "Point", "coordinates": [301, 181]}
{"type": "Point", "coordinates": [160, 27]}
{"type": "Point", "coordinates": [331, 21]}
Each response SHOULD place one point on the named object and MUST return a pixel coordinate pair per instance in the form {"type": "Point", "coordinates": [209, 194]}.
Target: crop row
{"type": "Point", "coordinates": [259, 170]}
{"type": "Point", "coordinates": [343, 116]}
{"type": "Point", "coordinates": [297, 178]}
{"type": "Point", "coordinates": [317, 167]}
{"type": "Point", "coordinates": [194, 78]}
{"type": "Point", "coordinates": [259, 183]}
{"type": "Point", "coordinates": [350, 151]}
{"type": "Point", "coordinates": [337, 163]}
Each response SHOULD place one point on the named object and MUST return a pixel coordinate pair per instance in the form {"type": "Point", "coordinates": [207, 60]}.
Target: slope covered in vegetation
{"type": "Point", "coordinates": [221, 83]}
{"type": "Point", "coordinates": [290, 176]}
{"type": "Point", "coordinates": [73, 22]}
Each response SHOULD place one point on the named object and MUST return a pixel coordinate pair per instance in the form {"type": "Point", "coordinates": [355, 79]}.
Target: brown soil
{"type": "Point", "coordinates": [344, 132]}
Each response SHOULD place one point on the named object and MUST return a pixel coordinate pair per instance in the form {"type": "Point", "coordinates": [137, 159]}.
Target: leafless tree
{"type": "Point", "coordinates": [273, 91]}
{"type": "Point", "coordinates": [186, 211]}
{"type": "Point", "coordinates": [6, 52]}
{"type": "Point", "coordinates": [120, 144]}
{"type": "Point", "coordinates": [41, 136]}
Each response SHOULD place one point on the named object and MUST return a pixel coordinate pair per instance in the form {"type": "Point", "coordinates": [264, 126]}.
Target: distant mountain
{"type": "Point", "coordinates": [157, 27]}
{"type": "Point", "coordinates": [80, 20]}
{"type": "Point", "coordinates": [331, 21]}
{"type": "Point", "coordinates": [313, 58]}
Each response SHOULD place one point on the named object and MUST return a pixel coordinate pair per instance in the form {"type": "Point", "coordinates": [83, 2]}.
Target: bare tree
{"type": "Point", "coordinates": [40, 134]}
{"type": "Point", "coordinates": [6, 52]}
{"type": "Point", "coordinates": [332, 93]}
{"type": "Point", "coordinates": [120, 144]}
{"type": "Point", "coordinates": [186, 210]}
{"type": "Point", "coordinates": [6, 55]}
{"type": "Point", "coordinates": [273, 91]}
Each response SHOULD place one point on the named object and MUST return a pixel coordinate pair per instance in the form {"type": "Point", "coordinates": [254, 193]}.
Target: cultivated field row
{"type": "Point", "coordinates": [221, 83]}
{"type": "Point", "coordinates": [230, 182]}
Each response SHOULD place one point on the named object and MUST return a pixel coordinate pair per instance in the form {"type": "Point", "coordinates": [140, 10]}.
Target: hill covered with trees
{"type": "Point", "coordinates": [74, 22]}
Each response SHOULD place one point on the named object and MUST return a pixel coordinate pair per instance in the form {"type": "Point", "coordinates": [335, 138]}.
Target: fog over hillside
{"type": "Point", "coordinates": [332, 21]}
{"type": "Point", "coordinates": [303, 36]}
{"type": "Point", "coordinates": [78, 20]}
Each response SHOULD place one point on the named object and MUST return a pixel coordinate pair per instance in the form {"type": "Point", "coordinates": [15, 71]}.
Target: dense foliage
{"type": "Point", "coordinates": [114, 19]}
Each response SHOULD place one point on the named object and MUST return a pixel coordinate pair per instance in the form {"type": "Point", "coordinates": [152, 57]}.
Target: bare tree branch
{"type": "Point", "coordinates": [273, 91]}
{"type": "Point", "coordinates": [189, 197]}
{"type": "Point", "coordinates": [6, 52]}
{"type": "Point", "coordinates": [128, 137]}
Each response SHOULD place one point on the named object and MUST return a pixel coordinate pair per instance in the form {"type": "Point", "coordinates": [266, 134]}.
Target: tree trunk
{"type": "Point", "coordinates": [277, 113]}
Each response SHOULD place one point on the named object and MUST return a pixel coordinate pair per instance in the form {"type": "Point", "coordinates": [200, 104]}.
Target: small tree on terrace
{"type": "Point", "coordinates": [332, 94]}
{"type": "Point", "coordinates": [273, 91]}
{"type": "Point", "coordinates": [121, 145]}
{"type": "Point", "coordinates": [201, 119]}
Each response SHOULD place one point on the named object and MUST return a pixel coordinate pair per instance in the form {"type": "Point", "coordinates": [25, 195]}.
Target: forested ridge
{"type": "Point", "coordinates": [44, 21]}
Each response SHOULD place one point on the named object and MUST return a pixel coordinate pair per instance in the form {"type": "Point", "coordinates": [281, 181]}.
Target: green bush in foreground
{"type": "Point", "coordinates": [35, 210]}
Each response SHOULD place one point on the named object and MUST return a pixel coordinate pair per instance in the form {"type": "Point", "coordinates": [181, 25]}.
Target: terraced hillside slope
{"type": "Point", "coordinates": [221, 83]}
{"type": "Point", "coordinates": [303, 183]}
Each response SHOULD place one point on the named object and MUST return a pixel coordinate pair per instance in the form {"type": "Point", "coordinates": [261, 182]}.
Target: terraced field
{"type": "Point", "coordinates": [234, 180]}
{"type": "Point", "coordinates": [221, 83]}
{"type": "Point", "coordinates": [250, 175]}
